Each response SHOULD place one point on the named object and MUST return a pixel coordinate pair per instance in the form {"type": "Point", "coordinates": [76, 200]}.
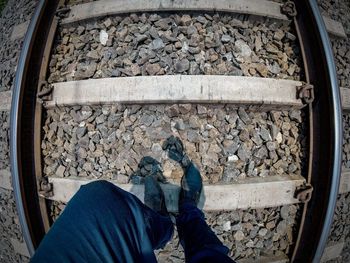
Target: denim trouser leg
{"type": "Point", "coordinates": [103, 223]}
{"type": "Point", "coordinates": [196, 237]}
{"type": "Point", "coordinates": [198, 240]}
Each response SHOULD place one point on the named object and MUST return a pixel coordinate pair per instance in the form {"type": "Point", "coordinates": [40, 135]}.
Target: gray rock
{"type": "Point", "coordinates": [201, 19]}
{"type": "Point", "coordinates": [292, 168]}
{"type": "Point", "coordinates": [263, 232]}
{"type": "Point", "coordinates": [256, 138]}
{"type": "Point", "coordinates": [173, 111]}
{"type": "Point", "coordinates": [81, 131]}
{"type": "Point", "coordinates": [244, 116]}
{"type": "Point", "coordinates": [82, 153]}
{"type": "Point", "coordinates": [290, 36]}
{"type": "Point", "coordinates": [230, 174]}
{"type": "Point", "coordinates": [231, 146]}
{"type": "Point", "coordinates": [157, 44]}
{"type": "Point", "coordinates": [239, 235]}
{"type": "Point", "coordinates": [185, 108]}
{"type": "Point", "coordinates": [85, 71]}
{"type": "Point", "coordinates": [182, 66]}
{"type": "Point", "coordinates": [93, 54]}
{"type": "Point", "coordinates": [146, 119]}
{"type": "Point", "coordinates": [243, 152]}
{"type": "Point", "coordinates": [243, 49]}
{"type": "Point", "coordinates": [84, 142]}
{"type": "Point", "coordinates": [191, 30]}
{"type": "Point", "coordinates": [261, 153]}
{"type": "Point", "coordinates": [100, 119]}
{"type": "Point", "coordinates": [265, 134]}
{"type": "Point", "coordinates": [271, 146]}
{"type": "Point", "coordinates": [141, 38]}
{"type": "Point", "coordinates": [201, 109]}
{"type": "Point", "coordinates": [225, 38]}
{"type": "Point", "coordinates": [279, 34]}
{"type": "Point", "coordinates": [153, 69]}
{"type": "Point", "coordinates": [274, 130]}
{"type": "Point", "coordinates": [295, 115]}
{"type": "Point", "coordinates": [244, 135]}
{"type": "Point", "coordinates": [180, 125]}
{"type": "Point", "coordinates": [282, 227]}
{"type": "Point", "coordinates": [194, 122]}
{"type": "Point", "coordinates": [274, 68]}
{"type": "Point", "coordinates": [60, 171]}
{"type": "Point", "coordinates": [193, 136]}
{"type": "Point", "coordinates": [88, 167]}
{"type": "Point", "coordinates": [285, 212]}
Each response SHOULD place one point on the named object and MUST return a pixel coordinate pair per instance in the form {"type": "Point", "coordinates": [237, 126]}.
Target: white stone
{"type": "Point", "coordinates": [243, 48]}
{"type": "Point", "coordinates": [226, 226]}
{"type": "Point", "coordinates": [250, 243]}
{"type": "Point", "coordinates": [103, 37]}
{"type": "Point", "coordinates": [232, 158]}
{"type": "Point", "coordinates": [263, 232]}
{"type": "Point", "coordinates": [279, 138]}
{"type": "Point", "coordinates": [185, 47]}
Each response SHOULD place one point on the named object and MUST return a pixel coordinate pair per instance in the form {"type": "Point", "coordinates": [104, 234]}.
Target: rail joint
{"type": "Point", "coordinates": [289, 9]}
{"type": "Point", "coordinates": [304, 193]}
{"type": "Point", "coordinates": [306, 93]}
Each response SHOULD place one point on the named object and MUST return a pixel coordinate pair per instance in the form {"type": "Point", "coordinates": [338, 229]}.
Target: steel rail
{"type": "Point", "coordinates": [22, 123]}
{"type": "Point", "coordinates": [338, 132]}
{"type": "Point", "coordinates": [325, 133]}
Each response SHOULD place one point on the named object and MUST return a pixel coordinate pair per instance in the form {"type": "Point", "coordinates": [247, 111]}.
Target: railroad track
{"type": "Point", "coordinates": [305, 104]}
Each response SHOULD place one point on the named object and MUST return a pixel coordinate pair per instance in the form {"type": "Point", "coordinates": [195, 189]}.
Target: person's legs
{"type": "Point", "coordinates": [198, 240]}
{"type": "Point", "coordinates": [103, 223]}
{"type": "Point", "coordinates": [194, 233]}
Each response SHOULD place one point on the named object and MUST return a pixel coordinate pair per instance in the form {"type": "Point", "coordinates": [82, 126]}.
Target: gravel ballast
{"type": "Point", "coordinates": [227, 144]}
{"type": "Point", "coordinates": [191, 44]}
{"type": "Point", "coordinates": [346, 140]}
{"type": "Point", "coordinates": [4, 140]}
{"type": "Point", "coordinates": [15, 12]}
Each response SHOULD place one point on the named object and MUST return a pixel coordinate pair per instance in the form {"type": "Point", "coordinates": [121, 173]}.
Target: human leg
{"type": "Point", "coordinates": [103, 223]}
{"type": "Point", "coordinates": [194, 233]}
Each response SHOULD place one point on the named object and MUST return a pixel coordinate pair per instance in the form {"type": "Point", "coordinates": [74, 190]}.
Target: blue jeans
{"type": "Point", "coordinates": [103, 223]}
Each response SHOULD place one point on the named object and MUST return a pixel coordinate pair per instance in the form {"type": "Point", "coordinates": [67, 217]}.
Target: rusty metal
{"type": "Point", "coordinates": [45, 188]}
{"type": "Point", "coordinates": [289, 9]}
{"type": "Point", "coordinates": [44, 90]}
{"type": "Point", "coordinates": [304, 193]}
{"type": "Point", "coordinates": [306, 93]}
{"type": "Point", "coordinates": [23, 141]}
{"type": "Point", "coordinates": [311, 140]}
{"type": "Point", "coordinates": [62, 12]}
